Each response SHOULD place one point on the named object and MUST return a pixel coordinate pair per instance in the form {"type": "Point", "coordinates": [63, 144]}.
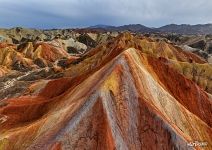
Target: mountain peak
{"type": "Point", "coordinates": [94, 90]}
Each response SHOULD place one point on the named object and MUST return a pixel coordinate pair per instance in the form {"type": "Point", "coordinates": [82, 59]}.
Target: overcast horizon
{"type": "Point", "coordinates": [50, 14]}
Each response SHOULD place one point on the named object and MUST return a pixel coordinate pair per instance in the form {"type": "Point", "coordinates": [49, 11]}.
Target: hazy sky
{"type": "Point", "coordinates": [81, 13]}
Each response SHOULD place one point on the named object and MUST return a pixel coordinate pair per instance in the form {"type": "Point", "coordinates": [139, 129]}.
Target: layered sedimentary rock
{"type": "Point", "coordinates": [74, 47]}
{"type": "Point", "coordinates": [198, 44]}
{"type": "Point", "coordinates": [130, 93]}
{"type": "Point", "coordinates": [32, 55]}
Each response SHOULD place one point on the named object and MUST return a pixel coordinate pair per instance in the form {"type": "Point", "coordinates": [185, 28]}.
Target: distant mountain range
{"type": "Point", "coordinates": [137, 28]}
{"type": "Point", "coordinates": [171, 28]}
{"type": "Point", "coordinates": [130, 27]}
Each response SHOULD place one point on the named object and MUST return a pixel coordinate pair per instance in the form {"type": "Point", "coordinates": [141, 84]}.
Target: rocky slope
{"type": "Point", "coordinates": [20, 35]}
{"type": "Point", "coordinates": [198, 44]}
{"type": "Point", "coordinates": [132, 92]}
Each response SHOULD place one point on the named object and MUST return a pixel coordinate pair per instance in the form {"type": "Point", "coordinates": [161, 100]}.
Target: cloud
{"type": "Point", "coordinates": [80, 13]}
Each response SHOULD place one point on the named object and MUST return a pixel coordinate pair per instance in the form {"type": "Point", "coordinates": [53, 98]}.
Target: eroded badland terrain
{"type": "Point", "coordinates": [95, 89]}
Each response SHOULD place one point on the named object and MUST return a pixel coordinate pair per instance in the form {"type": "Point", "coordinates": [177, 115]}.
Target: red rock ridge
{"type": "Point", "coordinates": [122, 95]}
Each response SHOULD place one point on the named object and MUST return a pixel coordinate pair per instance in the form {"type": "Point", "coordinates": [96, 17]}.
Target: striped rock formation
{"type": "Point", "coordinates": [130, 93]}
{"type": "Point", "coordinates": [29, 56]}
